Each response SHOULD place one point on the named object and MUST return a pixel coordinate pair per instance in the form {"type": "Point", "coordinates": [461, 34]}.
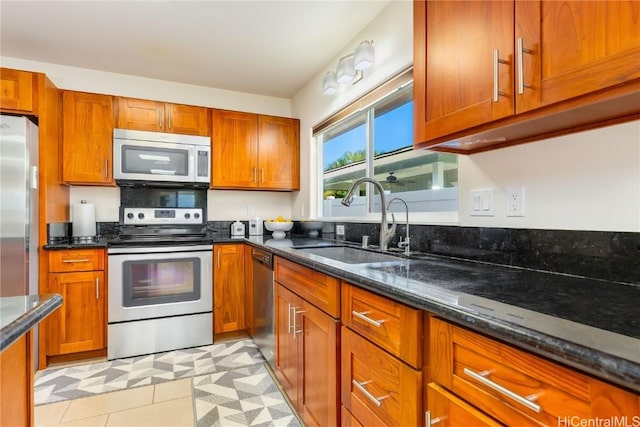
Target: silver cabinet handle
{"type": "Point", "coordinates": [71, 261]}
{"type": "Point", "coordinates": [363, 316]}
{"type": "Point", "coordinates": [106, 168]}
{"type": "Point", "coordinates": [169, 119]}
{"type": "Point", "coordinates": [376, 400]}
{"type": "Point", "coordinates": [295, 326]}
{"type": "Point", "coordinates": [481, 377]}
{"type": "Point", "coordinates": [496, 74]}
{"type": "Point", "coordinates": [160, 119]}
{"type": "Point", "coordinates": [97, 288]}
{"type": "Point", "coordinates": [431, 421]}
{"type": "Point", "coordinates": [219, 259]}
{"type": "Point", "coordinates": [289, 318]}
{"type": "Point", "coordinates": [262, 174]}
{"type": "Point", "coordinates": [255, 174]}
{"type": "Point", "coordinates": [521, 50]}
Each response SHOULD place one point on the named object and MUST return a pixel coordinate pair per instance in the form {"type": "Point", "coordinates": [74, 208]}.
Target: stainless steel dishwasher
{"type": "Point", "coordinates": [263, 305]}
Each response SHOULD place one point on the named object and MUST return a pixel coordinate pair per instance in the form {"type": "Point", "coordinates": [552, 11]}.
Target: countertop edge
{"type": "Point", "coordinates": [14, 330]}
{"type": "Point", "coordinates": [591, 361]}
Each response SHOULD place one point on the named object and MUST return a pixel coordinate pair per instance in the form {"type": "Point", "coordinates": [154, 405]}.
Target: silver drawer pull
{"type": "Point", "coordinates": [431, 421]}
{"type": "Point", "coordinates": [71, 261]}
{"type": "Point", "coordinates": [481, 377]}
{"type": "Point", "coordinates": [363, 316]}
{"type": "Point", "coordinates": [295, 325]}
{"type": "Point", "coordinates": [376, 400]}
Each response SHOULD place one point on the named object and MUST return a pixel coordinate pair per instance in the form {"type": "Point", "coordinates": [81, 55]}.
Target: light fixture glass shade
{"type": "Point", "coordinates": [329, 83]}
{"type": "Point", "coordinates": [363, 57]}
{"type": "Point", "coordinates": [345, 72]}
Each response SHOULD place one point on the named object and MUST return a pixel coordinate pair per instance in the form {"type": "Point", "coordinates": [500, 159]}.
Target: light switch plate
{"type": "Point", "coordinates": [482, 202]}
{"type": "Point", "coordinates": [340, 230]}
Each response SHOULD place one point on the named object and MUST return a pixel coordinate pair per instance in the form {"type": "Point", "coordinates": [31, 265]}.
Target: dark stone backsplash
{"type": "Point", "coordinates": [607, 255]}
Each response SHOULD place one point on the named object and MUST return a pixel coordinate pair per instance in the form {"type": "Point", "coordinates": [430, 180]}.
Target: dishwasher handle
{"type": "Point", "coordinates": [264, 258]}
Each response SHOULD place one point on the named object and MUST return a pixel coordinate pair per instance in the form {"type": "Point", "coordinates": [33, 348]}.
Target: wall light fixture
{"type": "Point", "coordinates": [350, 68]}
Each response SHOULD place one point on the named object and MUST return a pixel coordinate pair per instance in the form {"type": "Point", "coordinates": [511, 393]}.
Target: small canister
{"type": "Point", "coordinates": [237, 229]}
{"type": "Point", "coordinates": [255, 227]}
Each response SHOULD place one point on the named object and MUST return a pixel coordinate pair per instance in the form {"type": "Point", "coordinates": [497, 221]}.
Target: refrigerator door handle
{"type": "Point", "coordinates": [34, 177]}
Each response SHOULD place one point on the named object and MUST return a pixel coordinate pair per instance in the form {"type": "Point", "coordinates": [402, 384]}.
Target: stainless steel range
{"type": "Point", "coordinates": [160, 276]}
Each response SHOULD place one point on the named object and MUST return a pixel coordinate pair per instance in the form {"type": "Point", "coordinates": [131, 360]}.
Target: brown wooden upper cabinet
{"type": "Point", "coordinates": [17, 91]}
{"type": "Point", "coordinates": [87, 138]}
{"type": "Point", "coordinates": [142, 114]}
{"type": "Point", "coordinates": [255, 152]}
{"type": "Point", "coordinates": [489, 74]}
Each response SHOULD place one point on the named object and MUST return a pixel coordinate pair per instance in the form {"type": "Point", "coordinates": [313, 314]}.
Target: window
{"type": "Point", "coordinates": [377, 142]}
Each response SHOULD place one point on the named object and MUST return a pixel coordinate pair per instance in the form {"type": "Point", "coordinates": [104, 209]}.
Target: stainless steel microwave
{"type": "Point", "coordinates": [156, 156]}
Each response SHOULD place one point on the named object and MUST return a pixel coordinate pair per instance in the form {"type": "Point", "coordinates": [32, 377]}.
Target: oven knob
{"type": "Point", "coordinates": [187, 215]}
{"type": "Point", "coordinates": [141, 215]}
{"type": "Point", "coordinates": [196, 215]}
{"type": "Point", "coordinates": [130, 215]}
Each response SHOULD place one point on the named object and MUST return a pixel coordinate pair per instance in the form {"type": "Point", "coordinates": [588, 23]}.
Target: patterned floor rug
{"type": "Point", "coordinates": [245, 396]}
{"type": "Point", "coordinates": [54, 385]}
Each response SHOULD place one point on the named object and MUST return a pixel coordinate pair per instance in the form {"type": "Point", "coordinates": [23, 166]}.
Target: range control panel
{"type": "Point", "coordinates": [158, 216]}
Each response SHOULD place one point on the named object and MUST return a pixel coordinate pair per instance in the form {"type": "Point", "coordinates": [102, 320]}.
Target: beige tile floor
{"type": "Point", "coordinates": [165, 404]}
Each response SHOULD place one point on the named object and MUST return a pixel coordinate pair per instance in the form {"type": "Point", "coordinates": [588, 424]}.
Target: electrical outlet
{"type": "Point", "coordinates": [340, 230]}
{"type": "Point", "coordinates": [515, 201]}
{"type": "Point", "coordinates": [251, 211]}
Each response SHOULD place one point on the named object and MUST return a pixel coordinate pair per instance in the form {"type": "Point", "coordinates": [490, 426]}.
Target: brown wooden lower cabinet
{"type": "Point", "coordinates": [307, 358]}
{"type": "Point", "coordinates": [228, 288]}
{"type": "Point", "coordinates": [378, 388]}
{"type": "Point", "coordinates": [16, 383]}
{"type": "Point", "coordinates": [348, 420]}
{"type": "Point", "coordinates": [518, 388]}
{"type": "Point", "coordinates": [447, 410]}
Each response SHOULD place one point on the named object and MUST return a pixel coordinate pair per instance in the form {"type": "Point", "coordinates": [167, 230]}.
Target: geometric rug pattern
{"type": "Point", "coordinates": [245, 396]}
{"type": "Point", "coordinates": [55, 385]}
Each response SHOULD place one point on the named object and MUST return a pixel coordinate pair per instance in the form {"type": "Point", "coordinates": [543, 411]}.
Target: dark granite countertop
{"type": "Point", "coordinates": [21, 313]}
{"type": "Point", "coordinates": [591, 325]}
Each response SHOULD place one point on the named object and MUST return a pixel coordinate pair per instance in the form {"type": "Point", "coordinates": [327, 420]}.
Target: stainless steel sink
{"type": "Point", "coordinates": [350, 255]}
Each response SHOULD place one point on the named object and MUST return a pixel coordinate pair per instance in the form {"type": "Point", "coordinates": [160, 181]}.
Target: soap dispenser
{"type": "Point", "coordinates": [237, 229]}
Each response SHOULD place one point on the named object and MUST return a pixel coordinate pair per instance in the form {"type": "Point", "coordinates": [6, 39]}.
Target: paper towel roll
{"type": "Point", "coordinates": [84, 219]}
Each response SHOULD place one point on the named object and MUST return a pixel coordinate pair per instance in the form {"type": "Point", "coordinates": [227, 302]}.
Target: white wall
{"type": "Point", "coordinates": [223, 204]}
{"type": "Point", "coordinates": [583, 181]}
{"type": "Point", "coordinates": [392, 35]}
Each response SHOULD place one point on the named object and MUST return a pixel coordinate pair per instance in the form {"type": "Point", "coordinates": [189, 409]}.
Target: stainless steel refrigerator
{"type": "Point", "coordinates": [18, 207]}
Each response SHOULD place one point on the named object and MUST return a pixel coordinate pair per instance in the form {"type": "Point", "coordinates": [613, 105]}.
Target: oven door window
{"type": "Point", "coordinates": [137, 159]}
{"type": "Point", "coordinates": [161, 281]}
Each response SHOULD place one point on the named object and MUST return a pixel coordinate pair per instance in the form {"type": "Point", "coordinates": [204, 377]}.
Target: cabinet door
{"type": "Point", "coordinates": [140, 114]}
{"type": "Point", "coordinates": [16, 90]}
{"type": "Point", "coordinates": [572, 48]}
{"type": "Point", "coordinates": [234, 150]}
{"type": "Point", "coordinates": [80, 319]}
{"type": "Point", "coordinates": [186, 119]}
{"type": "Point", "coordinates": [87, 138]}
{"type": "Point", "coordinates": [447, 410]}
{"type": "Point", "coordinates": [228, 284]}
{"type": "Point", "coordinates": [286, 360]}
{"type": "Point", "coordinates": [459, 82]}
{"type": "Point", "coordinates": [279, 153]}
{"type": "Point", "coordinates": [248, 288]}
{"type": "Point", "coordinates": [320, 400]}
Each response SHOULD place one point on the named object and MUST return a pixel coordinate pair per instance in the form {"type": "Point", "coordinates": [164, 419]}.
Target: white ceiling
{"type": "Point", "coordinates": [264, 47]}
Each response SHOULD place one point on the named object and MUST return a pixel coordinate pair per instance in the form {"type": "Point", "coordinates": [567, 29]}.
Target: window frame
{"type": "Point", "coordinates": [367, 102]}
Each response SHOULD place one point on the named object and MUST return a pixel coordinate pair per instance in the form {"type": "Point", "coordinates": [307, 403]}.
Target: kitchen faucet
{"type": "Point", "coordinates": [406, 243]}
{"type": "Point", "coordinates": [386, 232]}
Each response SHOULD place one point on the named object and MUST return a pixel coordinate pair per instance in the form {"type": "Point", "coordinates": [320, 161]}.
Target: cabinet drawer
{"type": "Point", "coordinates": [348, 420]}
{"type": "Point", "coordinates": [393, 326]}
{"type": "Point", "coordinates": [319, 289]}
{"type": "Point", "coordinates": [377, 388]}
{"type": "Point", "coordinates": [516, 387]}
{"type": "Point", "coordinates": [447, 410]}
{"type": "Point", "coordinates": [76, 260]}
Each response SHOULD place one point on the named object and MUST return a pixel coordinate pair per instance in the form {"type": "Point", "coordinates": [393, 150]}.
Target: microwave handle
{"type": "Point", "coordinates": [162, 172]}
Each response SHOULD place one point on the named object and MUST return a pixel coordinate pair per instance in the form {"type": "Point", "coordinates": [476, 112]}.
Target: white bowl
{"type": "Point", "coordinates": [278, 229]}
